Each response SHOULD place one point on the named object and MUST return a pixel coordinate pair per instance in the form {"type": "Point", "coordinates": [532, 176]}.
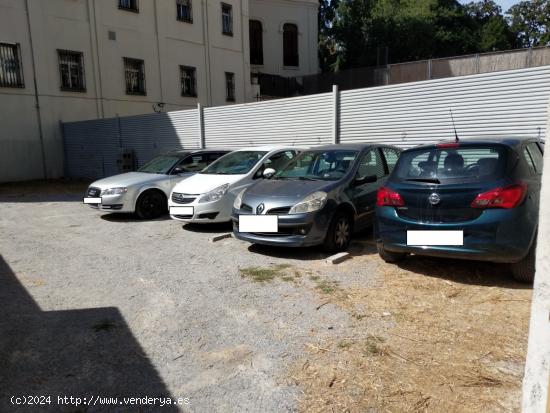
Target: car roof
{"type": "Point", "coordinates": [190, 151]}
{"type": "Point", "coordinates": [510, 141]}
{"type": "Point", "coordinates": [346, 146]}
{"type": "Point", "coordinates": [267, 148]}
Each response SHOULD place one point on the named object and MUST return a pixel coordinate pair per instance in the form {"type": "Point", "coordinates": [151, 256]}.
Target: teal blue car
{"type": "Point", "coordinates": [470, 199]}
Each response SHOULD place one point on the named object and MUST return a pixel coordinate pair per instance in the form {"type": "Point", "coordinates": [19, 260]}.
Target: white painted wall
{"type": "Point", "coordinates": [154, 35]}
{"type": "Point", "coordinates": [536, 382]}
{"type": "Point", "coordinates": [274, 14]}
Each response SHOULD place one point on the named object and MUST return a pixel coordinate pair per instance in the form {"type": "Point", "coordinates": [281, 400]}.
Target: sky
{"type": "Point", "coordinates": [505, 4]}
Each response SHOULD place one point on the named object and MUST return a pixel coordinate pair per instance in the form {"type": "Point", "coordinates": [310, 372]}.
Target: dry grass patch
{"type": "Point", "coordinates": [433, 336]}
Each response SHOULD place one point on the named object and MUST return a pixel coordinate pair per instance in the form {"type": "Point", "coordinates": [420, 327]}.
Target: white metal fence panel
{"type": "Point", "coordinates": [513, 103]}
{"type": "Point", "coordinates": [301, 121]}
{"type": "Point", "coordinates": [151, 134]}
{"type": "Point", "coordinates": [91, 148]}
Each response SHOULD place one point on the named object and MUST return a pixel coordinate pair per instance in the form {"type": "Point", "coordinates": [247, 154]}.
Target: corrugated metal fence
{"type": "Point", "coordinates": [502, 103]}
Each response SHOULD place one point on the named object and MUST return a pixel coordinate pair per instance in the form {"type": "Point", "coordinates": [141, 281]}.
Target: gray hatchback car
{"type": "Point", "coordinates": [318, 198]}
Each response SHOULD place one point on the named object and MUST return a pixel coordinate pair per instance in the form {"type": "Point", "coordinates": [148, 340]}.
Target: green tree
{"type": "Point", "coordinates": [531, 21]}
{"type": "Point", "coordinates": [492, 29]}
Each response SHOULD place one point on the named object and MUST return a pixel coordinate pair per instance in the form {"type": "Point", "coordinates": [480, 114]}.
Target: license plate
{"type": "Point", "coordinates": [92, 200]}
{"type": "Point", "coordinates": [181, 210]}
{"type": "Point", "coordinates": [258, 223]}
{"type": "Point", "coordinates": [435, 238]}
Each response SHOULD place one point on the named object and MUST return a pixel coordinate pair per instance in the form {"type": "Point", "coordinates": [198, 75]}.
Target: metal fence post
{"type": "Point", "coordinates": [335, 114]}
{"type": "Point", "coordinates": [200, 114]}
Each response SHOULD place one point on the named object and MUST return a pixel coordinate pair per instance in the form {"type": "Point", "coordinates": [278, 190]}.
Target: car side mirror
{"type": "Point", "coordinates": [366, 179]}
{"type": "Point", "coordinates": [177, 170]}
{"type": "Point", "coordinates": [268, 172]}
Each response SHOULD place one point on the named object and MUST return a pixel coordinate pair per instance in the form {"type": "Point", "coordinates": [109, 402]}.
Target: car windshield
{"type": "Point", "coordinates": [235, 163]}
{"type": "Point", "coordinates": [319, 165]}
{"type": "Point", "coordinates": [452, 163]}
{"type": "Point", "coordinates": [159, 164]}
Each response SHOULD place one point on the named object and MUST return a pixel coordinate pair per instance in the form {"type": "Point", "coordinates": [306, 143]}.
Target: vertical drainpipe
{"type": "Point", "coordinates": [206, 39]}
{"type": "Point", "coordinates": [536, 379]}
{"type": "Point", "coordinates": [95, 57]}
{"type": "Point", "coordinates": [335, 114]}
{"type": "Point", "coordinates": [158, 48]}
{"type": "Point", "coordinates": [36, 99]}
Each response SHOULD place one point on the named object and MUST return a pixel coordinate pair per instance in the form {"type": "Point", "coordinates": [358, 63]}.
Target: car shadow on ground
{"type": "Point", "coordinates": [59, 190]}
{"type": "Point", "coordinates": [85, 353]}
{"type": "Point", "coordinates": [463, 271]}
{"type": "Point", "coordinates": [123, 217]}
{"type": "Point", "coordinates": [214, 228]}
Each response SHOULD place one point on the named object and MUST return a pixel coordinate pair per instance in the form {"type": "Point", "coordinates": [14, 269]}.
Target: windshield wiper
{"type": "Point", "coordinates": [428, 180]}
{"type": "Point", "coordinates": [307, 178]}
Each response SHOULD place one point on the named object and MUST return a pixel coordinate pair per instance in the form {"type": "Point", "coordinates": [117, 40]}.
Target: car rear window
{"type": "Point", "coordinates": [456, 164]}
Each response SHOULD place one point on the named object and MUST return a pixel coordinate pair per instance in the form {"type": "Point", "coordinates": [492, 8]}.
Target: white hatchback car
{"type": "Point", "coordinates": [209, 195]}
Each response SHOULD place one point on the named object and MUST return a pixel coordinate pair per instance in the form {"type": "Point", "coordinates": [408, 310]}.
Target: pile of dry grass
{"type": "Point", "coordinates": [428, 338]}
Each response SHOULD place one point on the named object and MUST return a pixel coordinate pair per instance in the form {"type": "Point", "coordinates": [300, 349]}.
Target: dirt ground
{"type": "Point", "coordinates": [107, 304]}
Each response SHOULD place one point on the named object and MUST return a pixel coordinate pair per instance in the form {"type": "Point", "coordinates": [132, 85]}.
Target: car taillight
{"type": "Point", "coordinates": [387, 197]}
{"type": "Point", "coordinates": [506, 197]}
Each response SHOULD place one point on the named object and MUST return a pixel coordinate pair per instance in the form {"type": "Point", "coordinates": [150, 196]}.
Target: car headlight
{"type": "Point", "coordinates": [239, 200]}
{"type": "Point", "coordinates": [310, 203]}
{"type": "Point", "coordinates": [214, 194]}
{"type": "Point", "coordinates": [114, 191]}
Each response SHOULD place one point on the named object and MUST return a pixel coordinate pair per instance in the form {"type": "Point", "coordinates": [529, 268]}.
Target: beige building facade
{"type": "Point", "coordinates": [69, 60]}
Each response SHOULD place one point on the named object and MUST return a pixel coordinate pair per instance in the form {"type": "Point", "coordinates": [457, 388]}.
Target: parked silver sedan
{"type": "Point", "coordinates": [146, 191]}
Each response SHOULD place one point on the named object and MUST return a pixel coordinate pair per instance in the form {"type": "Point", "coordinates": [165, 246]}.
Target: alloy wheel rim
{"type": "Point", "coordinates": [342, 232]}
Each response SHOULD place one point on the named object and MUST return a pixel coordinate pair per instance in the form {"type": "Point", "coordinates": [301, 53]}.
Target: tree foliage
{"type": "Point", "coordinates": [356, 33]}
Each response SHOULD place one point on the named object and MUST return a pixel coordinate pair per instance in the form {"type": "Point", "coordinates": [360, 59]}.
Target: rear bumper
{"type": "Point", "coordinates": [498, 235]}
{"type": "Point", "coordinates": [291, 230]}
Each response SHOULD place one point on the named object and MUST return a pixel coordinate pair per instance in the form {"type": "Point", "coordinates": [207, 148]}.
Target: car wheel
{"type": "Point", "coordinates": [339, 233]}
{"type": "Point", "coordinates": [524, 270]}
{"type": "Point", "coordinates": [389, 256]}
{"type": "Point", "coordinates": [151, 204]}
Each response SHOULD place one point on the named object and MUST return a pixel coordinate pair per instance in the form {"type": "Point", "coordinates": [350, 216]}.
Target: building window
{"type": "Point", "coordinates": [188, 81]}
{"type": "Point", "coordinates": [290, 45]}
{"type": "Point", "coordinates": [134, 74]}
{"type": "Point", "coordinates": [131, 5]}
{"type": "Point", "coordinates": [227, 19]}
{"type": "Point", "coordinates": [71, 69]}
{"type": "Point", "coordinates": [184, 10]}
{"type": "Point", "coordinates": [230, 87]}
{"type": "Point", "coordinates": [256, 42]}
{"type": "Point", "coordinates": [11, 73]}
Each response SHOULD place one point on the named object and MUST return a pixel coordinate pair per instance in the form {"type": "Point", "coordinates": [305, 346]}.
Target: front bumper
{"type": "Point", "coordinates": [115, 203]}
{"type": "Point", "coordinates": [498, 235]}
{"type": "Point", "coordinates": [297, 230]}
{"type": "Point", "coordinates": [209, 212]}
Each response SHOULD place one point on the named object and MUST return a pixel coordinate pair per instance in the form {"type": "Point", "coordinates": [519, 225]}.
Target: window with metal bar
{"type": "Point", "coordinates": [131, 5]}
{"type": "Point", "coordinates": [256, 42]}
{"type": "Point", "coordinates": [134, 75]}
{"type": "Point", "coordinates": [11, 73]}
{"type": "Point", "coordinates": [290, 45]}
{"type": "Point", "coordinates": [230, 86]}
{"type": "Point", "coordinates": [184, 10]}
{"type": "Point", "coordinates": [188, 81]}
{"type": "Point", "coordinates": [227, 19]}
{"type": "Point", "coordinates": [71, 70]}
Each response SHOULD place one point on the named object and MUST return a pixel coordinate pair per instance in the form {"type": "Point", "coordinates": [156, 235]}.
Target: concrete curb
{"type": "Point", "coordinates": [338, 258]}
{"type": "Point", "coordinates": [220, 237]}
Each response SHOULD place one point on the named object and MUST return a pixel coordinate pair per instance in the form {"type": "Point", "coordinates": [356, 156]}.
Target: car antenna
{"type": "Point", "coordinates": [454, 126]}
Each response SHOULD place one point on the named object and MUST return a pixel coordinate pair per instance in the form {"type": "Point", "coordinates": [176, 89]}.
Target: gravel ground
{"type": "Point", "coordinates": [97, 306]}
{"type": "Point", "coordinates": [107, 305]}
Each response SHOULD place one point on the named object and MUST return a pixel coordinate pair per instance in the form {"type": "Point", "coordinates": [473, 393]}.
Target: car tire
{"type": "Point", "coordinates": [339, 233]}
{"type": "Point", "coordinates": [151, 204]}
{"type": "Point", "coordinates": [524, 270]}
{"type": "Point", "coordinates": [389, 256]}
